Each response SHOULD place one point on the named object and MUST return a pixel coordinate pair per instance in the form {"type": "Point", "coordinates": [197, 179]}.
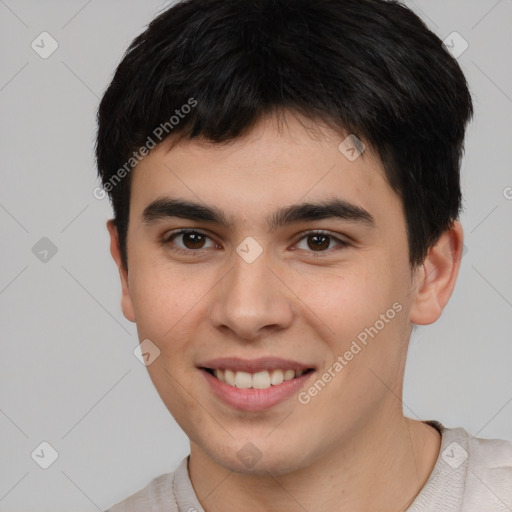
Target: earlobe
{"type": "Point", "coordinates": [434, 281]}
{"type": "Point", "coordinates": [115, 251]}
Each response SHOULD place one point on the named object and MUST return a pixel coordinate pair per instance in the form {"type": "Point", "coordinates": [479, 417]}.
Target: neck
{"type": "Point", "coordinates": [379, 469]}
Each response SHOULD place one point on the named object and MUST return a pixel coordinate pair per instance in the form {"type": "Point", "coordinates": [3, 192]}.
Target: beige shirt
{"type": "Point", "coordinates": [470, 475]}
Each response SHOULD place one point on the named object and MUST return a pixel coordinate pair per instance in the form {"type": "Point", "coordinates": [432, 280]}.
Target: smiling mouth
{"type": "Point", "coordinates": [258, 380]}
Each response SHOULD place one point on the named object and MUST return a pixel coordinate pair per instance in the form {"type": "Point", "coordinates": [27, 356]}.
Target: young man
{"type": "Point", "coordinates": [285, 183]}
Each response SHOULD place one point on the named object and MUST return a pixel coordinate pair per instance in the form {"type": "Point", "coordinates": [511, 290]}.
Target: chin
{"type": "Point", "coordinates": [258, 460]}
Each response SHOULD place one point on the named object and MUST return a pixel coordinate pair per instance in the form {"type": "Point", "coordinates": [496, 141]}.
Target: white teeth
{"type": "Point", "coordinates": [229, 377]}
{"type": "Point", "coordinates": [243, 380]}
{"type": "Point", "coordinates": [289, 375]}
{"type": "Point", "coordinates": [258, 380]}
{"type": "Point", "coordinates": [261, 380]}
{"type": "Point", "coordinates": [277, 377]}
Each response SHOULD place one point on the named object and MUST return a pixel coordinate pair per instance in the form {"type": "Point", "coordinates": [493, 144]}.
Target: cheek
{"type": "Point", "coordinates": [346, 300]}
{"type": "Point", "coordinates": [164, 298]}
{"type": "Point", "coordinates": [168, 306]}
{"type": "Point", "coordinates": [362, 316]}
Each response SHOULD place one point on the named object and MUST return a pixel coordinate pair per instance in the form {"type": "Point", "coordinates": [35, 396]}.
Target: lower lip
{"type": "Point", "coordinates": [255, 399]}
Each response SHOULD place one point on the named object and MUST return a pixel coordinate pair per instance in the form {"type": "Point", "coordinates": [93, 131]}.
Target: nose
{"type": "Point", "coordinates": [252, 300]}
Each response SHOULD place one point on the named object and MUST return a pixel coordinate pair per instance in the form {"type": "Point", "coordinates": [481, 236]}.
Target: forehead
{"type": "Point", "coordinates": [274, 164]}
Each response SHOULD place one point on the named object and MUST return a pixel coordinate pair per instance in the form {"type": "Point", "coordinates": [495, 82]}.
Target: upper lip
{"type": "Point", "coordinates": [254, 365]}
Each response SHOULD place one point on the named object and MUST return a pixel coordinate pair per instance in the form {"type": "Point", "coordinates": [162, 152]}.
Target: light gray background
{"type": "Point", "coordinates": [69, 376]}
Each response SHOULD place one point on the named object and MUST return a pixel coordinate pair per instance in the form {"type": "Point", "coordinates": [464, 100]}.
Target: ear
{"type": "Point", "coordinates": [434, 281]}
{"type": "Point", "coordinates": [126, 300]}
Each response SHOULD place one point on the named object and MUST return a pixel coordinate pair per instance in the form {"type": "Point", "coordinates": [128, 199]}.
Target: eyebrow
{"type": "Point", "coordinates": [167, 207]}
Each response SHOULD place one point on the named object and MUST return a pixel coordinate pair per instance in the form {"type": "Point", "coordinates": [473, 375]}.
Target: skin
{"type": "Point", "coordinates": [350, 447]}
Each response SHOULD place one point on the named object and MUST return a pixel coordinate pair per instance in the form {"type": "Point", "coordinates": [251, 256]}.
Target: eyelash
{"type": "Point", "coordinates": [167, 240]}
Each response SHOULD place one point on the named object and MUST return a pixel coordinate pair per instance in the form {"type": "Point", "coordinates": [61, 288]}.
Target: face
{"type": "Point", "coordinates": [246, 278]}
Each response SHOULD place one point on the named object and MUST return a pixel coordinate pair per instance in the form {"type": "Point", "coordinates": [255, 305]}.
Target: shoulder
{"type": "Point", "coordinates": [491, 452]}
{"type": "Point", "coordinates": [157, 496]}
{"type": "Point", "coordinates": [470, 475]}
{"type": "Point", "coordinates": [489, 476]}
{"type": "Point", "coordinates": [171, 492]}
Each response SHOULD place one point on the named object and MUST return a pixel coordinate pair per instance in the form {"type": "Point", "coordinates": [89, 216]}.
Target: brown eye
{"type": "Point", "coordinates": [319, 242]}
{"type": "Point", "coordinates": [188, 241]}
{"type": "Point", "coordinates": [193, 240]}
